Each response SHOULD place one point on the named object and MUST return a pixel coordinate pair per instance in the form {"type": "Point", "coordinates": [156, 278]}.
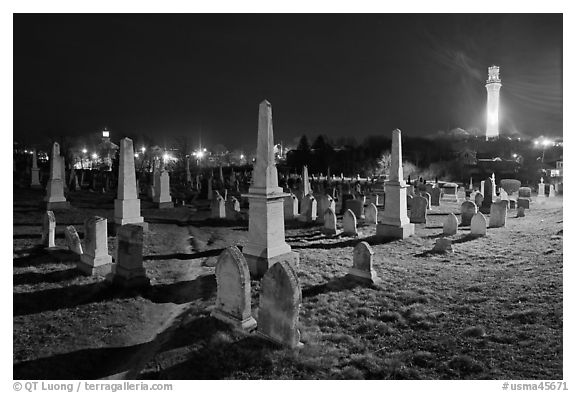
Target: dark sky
{"type": "Point", "coordinates": [339, 75]}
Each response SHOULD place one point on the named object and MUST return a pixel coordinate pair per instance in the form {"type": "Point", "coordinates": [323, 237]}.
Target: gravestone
{"type": "Point", "coordinates": [357, 207]}
{"type": "Point", "coordinates": [552, 191]}
{"type": "Point", "coordinates": [290, 207]}
{"type": "Point", "coordinates": [35, 180]}
{"type": "Point", "coordinates": [55, 198]}
{"type": "Point", "coordinates": [443, 245]}
{"type": "Point", "coordinates": [218, 207]}
{"type": "Point", "coordinates": [525, 192]}
{"type": "Point", "coordinates": [371, 214]}
{"type": "Point", "coordinates": [324, 202]}
{"type": "Point", "coordinates": [362, 269]}
{"type": "Point", "coordinates": [523, 203]}
{"type": "Point", "coordinates": [266, 242]}
{"type": "Point", "coordinates": [482, 187]}
{"type": "Point", "coordinates": [162, 197]}
{"type": "Point", "coordinates": [450, 192]}
{"type": "Point", "coordinates": [541, 189]}
{"type": "Point", "coordinates": [309, 209]}
{"type": "Point", "coordinates": [73, 240]}
{"type": "Point", "coordinates": [127, 204]}
{"type": "Point", "coordinates": [467, 211]}
{"type": "Point", "coordinates": [450, 225]}
{"type": "Point", "coordinates": [233, 299]}
{"type": "Point", "coordinates": [487, 201]}
{"type": "Point", "coordinates": [435, 196]}
{"type": "Point", "coordinates": [49, 229]}
{"type": "Point", "coordinates": [232, 207]}
{"type": "Point", "coordinates": [520, 212]}
{"type": "Point", "coordinates": [498, 213]}
{"type": "Point", "coordinates": [418, 210]}
{"type": "Point", "coordinates": [329, 227]}
{"type": "Point", "coordinates": [429, 187]}
{"type": "Point", "coordinates": [95, 259]}
{"type": "Point", "coordinates": [461, 194]}
{"type": "Point", "coordinates": [478, 225]}
{"type": "Point", "coordinates": [428, 199]}
{"type": "Point", "coordinates": [409, 199]}
{"type": "Point", "coordinates": [349, 223]}
{"type": "Point", "coordinates": [129, 271]}
{"type": "Point", "coordinates": [345, 198]}
{"type": "Point", "coordinates": [478, 198]}
{"type": "Point", "coordinates": [280, 299]}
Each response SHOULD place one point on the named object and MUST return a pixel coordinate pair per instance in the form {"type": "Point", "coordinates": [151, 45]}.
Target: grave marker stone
{"type": "Point", "coordinates": [467, 211]}
{"type": "Point", "coordinates": [498, 213]}
{"type": "Point", "coordinates": [450, 225]}
{"type": "Point", "coordinates": [49, 229]}
{"type": "Point", "coordinates": [95, 259]}
{"type": "Point", "coordinates": [349, 223]}
{"type": "Point", "coordinates": [290, 207]}
{"type": "Point", "coordinates": [362, 268]}
{"type": "Point", "coordinates": [371, 213]}
{"type": "Point", "coordinates": [129, 271]}
{"type": "Point", "coordinates": [329, 227]}
{"type": "Point", "coordinates": [418, 210]}
{"type": "Point", "coordinates": [73, 240]}
{"type": "Point", "coordinates": [478, 225]}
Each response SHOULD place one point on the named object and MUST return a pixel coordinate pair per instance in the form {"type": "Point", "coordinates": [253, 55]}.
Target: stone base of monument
{"type": "Point", "coordinates": [128, 278]}
{"type": "Point", "coordinates": [247, 325]}
{"type": "Point", "coordinates": [384, 230]}
{"type": "Point", "coordinates": [56, 205]}
{"type": "Point", "coordinates": [259, 265]}
{"type": "Point", "coordinates": [363, 276]}
{"type": "Point", "coordinates": [327, 231]}
{"type": "Point", "coordinates": [164, 205]}
{"type": "Point", "coordinates": [291, 345]}
{"type": "Point", "coordinates": [113, 228]}
{"type": "Point", "coordinates": [90, 266]}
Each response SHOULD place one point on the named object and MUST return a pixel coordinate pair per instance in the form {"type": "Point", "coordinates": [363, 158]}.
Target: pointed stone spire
{"type": "Point", "coordinates": [265, 174]}
{"type": "Point", "coordinates": [305, 181]}
{"type": "Point", "coordinates": [396, 171]}
{"type": "Point", "coordinates": [127, 204]}
{"type": "Point", "coordinates": [34, 160]}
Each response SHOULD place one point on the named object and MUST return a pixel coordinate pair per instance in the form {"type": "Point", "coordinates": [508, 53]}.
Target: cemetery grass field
{"type": "Point", "coordinates": [490, 310]}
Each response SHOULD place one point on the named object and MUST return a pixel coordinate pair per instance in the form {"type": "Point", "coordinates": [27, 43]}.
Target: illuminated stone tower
{"type": "Point", "coordinates": [493, 86]}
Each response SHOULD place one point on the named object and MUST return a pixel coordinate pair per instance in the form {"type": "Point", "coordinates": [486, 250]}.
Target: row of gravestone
{"type": "Point", "coordinates": [225, 208]}
{"type": "Point", "coordinates": [127, 270]}
{"type": "Point", "coordinates": [280, 294]}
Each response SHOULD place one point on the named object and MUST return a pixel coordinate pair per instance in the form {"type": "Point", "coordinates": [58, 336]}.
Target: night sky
{"type": "Point", "coordinates": [338, 75]}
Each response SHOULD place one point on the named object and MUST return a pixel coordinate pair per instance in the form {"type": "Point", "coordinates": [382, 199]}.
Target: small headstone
{"type": "Point", "coordinates": [450, 225]}
{"type": "Point", "coordinates": [161, 196]}
{"type": "Point", "coordinates": [218, 207]}
{"type": "Point", "coordinates": [233, 298]}
{"type": "Point", "coordinates": [371, 213]}
{"type": "Point", "coordinates": [345, 198]}
{"type": "Point", "coordinates": [443, 245]}
{"type": "Point", "coordinates": [524, 192]}
{"type": "Point", "coordinates": [498, 213]}
{"type": "Point", "coordinates": [309, 209]}
{"type": "Point", "coordinates": [520, 212]}
{"type": "Point", "coordinates": [418, 210]}
{"type": "Point", "coordinates": [290, 207]}
{"type": "Point", "coordinates": [73, 240]}
{"type": "Point", "coordinates": [428, 199]}
{"type": "Point", "coordinates": [95, 259]}
{"type": "Point", "coordinates": [129, 271]}
{"type": "Point", "coordinates": [450, 192]}
{"type": "Point", "coordinates": [467, 211]}
{"type": "Point", "coordinates": [362, 268]}
{"type": "Point", "coordinates": [349, 223]}
{"type": "Point", "coordinates": [49, 229]}
{"type": "Point", "coordinates": [552, 191]}
{"type": "Point", "coordinates": [357, 207]}
{"type": "Point", "coordinates": [409, 199]}
{"type": "Point", "coordinates": [487, 201]}
{"type": "Point", "coordinates": [478, 198]}
{"type": "Point", "coordinates": [541, 189]}
{"type": "Point", "coordinates": [232, 207]}
{"type": "Point", "coordinates": [329, 227]}
{"type": "Point", "coordinates": [280, 299]}
{"type": "Point", "coordinates": [324, 202]}
{"type": "Point", "coordinates": [435, 196]}
{"type": "Point", "coordinates": [523, 203]}
{"type": "Point", "coordinates": [478, 225]}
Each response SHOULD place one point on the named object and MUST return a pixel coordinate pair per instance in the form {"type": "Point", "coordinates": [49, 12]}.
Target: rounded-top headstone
{"type": "Point", "coordinates": [362, 267]}
{"type": "Point", "coordinates": [467, 211]}
{"type": "Point", "coordinates": [349, 223]}
{"type": "Point", "coordinates": [418, 210]}
{"type": "Point", "coordinates": [450, 225]}
{"type": "Point", "coordinates": [371, 214]}
{"type": "Point", "coordinates": [478, 225]}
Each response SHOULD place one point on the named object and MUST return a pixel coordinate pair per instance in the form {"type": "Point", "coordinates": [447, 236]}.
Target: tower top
{"type": "Point", "coordinates": [493, 74]}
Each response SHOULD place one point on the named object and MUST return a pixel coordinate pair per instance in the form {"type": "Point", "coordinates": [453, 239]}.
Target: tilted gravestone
{"type": "Point", "coordinates": [418, 210]}
{"type": "Point", "coordinates": [49, 229]}
{"type": "Point", "coordinates": [362, 268]}
{"type": "Point", "coordinates": [371, 214]}
{"type": "Point", "coordinates": [450, 225]}
{"type": "Point", "coordinates": [329, 227]}
{"type": "Point", "coordinates": [73, 240]}
{"type": "Point", "coordinates": [435, 196]}
{"type": "Point", "coordinates": [478, 225]}
{"type": "Point", "coordinates": [95, 259]}
{"type": "Point", "coordinates": [233, 290]}
{"type": "Point", "coordinates": [290, 207]}
{"type": "Point", "coordinates": [129, 271]}
{"type": "Point", "coordinates": [349, 223]}
{"type": "Point", "coordinates": [498, 213]}
{"type": "Point", "coordinates": [280, 299]}
{"type": "Point", "coordinates": [467, 211]}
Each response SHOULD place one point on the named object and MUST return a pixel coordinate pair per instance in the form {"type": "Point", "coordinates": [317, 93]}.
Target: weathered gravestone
{"type": "Point", "coordinates": [95, 259]}
{"type": "Point", "coordinates": [55, 198]}
{"type": "Point", "coordinates": [127, 204]}
{"type": "Point", "coordinates": [345, 198]}
{"type": "Point", "coordinates": [329, 227]}
{"type": "Point", "coordinates": [280, 299]}
{"type": "Point", "coordinates": [349, 223]}
{"type": "Point", "coordinates": [523, 203]}
{"type": "Point", "coordinates": [309, 209]}
{"type": "Point", "coordinates": [48, 229]}
{"type": "Point", "coordinates": [552, 191]}
{"type": "Point", "coordinates": [520, 212]}
{"type": "Point", "coordinates": [443, 245]}
{"type": "Point", "coordinates": [478, 225]}
{"type": "Point", "coordinates": [324, 202]}
{"type": "Point", "coordinates": [428, 199]}
{"type": "Point", "coordinates": [362, 268]}
{"type": "Point", "coordinates": [467, 211]}
{"type": "Point", "coordinates": [498, 213]}
{"type": "Point", "coordinates": [525, 192]}
{"type": "Point", "coordinates": [478, 198]}
{"type": "Point", "coordinates": [129, 271]}
{"type": "Point", "coordinates": [409, 199]}
{"type": "Point", "coordinates": [541, 189]}
{"type": "Point", "coordinates": [487, 201]}
{"type": "Point", "coordinates": [357, 207]}
{"type": "Point", "coordinates": [290, 207]}
{"type": "Point", "coordinates": [418, 210]}
{"type": "Point", "coordinates": [35, 180]}
{"type": "Point", "coordinates": [162, 197]}
{"type": "Point", "coordinates": [435, 196]}
{"type": "Point", "coordinates": [450, 192]}
{"type": "Point", "coordinates": [371, 214]}
{"type": "Point", "coordinates": [73, 240]}
{"type": "Point", "coordinates": [232, 207]}
{"type": "Point", "coordinates": [218, 207]}
{"type": "Point", "coordinates": [233, 290]}
{"type": "Point", "coordinates": [450, 225]}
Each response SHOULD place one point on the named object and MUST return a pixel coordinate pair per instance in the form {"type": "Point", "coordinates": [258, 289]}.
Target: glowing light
{"type": "Point", "coordinates": [241, 156]}
{"type": "Point", "coordinates": [94, 156]}
{"type": "Point", "coordinates": [546, 142]}
{"type": "Point", "coordinates": [84, 151]}
{"type": "Point", "coordinates": [142, 149]}
{"type": "Point", "coordinates": [166, 157]}
{"type": "Point", "coordinates": [106, 134]}
{"type": "Point", "coordinates": [514, 155]}
{"type": "Point", "coordinates": [135, 155]}
{"type": "Point", "coordinates": [205, 149]}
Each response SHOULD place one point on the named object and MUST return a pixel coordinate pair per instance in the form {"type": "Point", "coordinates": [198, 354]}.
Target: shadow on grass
{"type": "Point", "coordinates": [182, 256]}
{"type": "Point", "coordinates": [465, 238]}
{"type": "Point", "coordinates": [71, 296]}
{"type": "Point", "coordinates": [335, 285]}
{"type": "Point", "coordinates": [31, 278]}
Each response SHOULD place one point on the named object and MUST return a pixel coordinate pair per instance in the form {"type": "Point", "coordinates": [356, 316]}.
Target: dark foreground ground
{"type": "Point", "coordinates": [490, 310]}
